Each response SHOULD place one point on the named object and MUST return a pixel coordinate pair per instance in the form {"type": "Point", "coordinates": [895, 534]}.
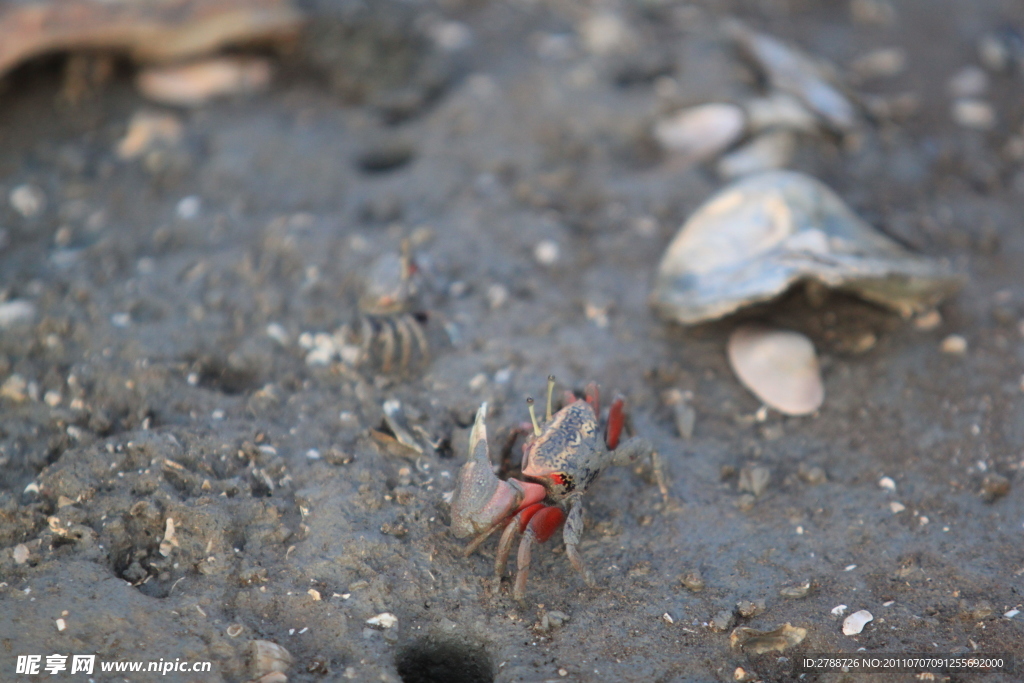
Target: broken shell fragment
{"type": "Point", "coordinates": [192, 85]}
{"type": "Point", "coordinates": [760, 235]}
{"type": "Point", "coordinates": [779, 367]}
{"type": "Point", "coordinates": [856, 622]}
{"type": "Point", "coordinates": [792, 71]}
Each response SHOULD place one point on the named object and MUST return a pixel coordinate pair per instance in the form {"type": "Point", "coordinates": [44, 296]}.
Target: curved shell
{"type": "Point", "coordinates": [757, 237]}
{"type": "Point", "coordinates": [779, 366]}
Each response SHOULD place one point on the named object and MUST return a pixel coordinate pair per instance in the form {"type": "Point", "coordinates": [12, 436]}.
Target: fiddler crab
{"type": "Point", "coordinates": [561, 459]}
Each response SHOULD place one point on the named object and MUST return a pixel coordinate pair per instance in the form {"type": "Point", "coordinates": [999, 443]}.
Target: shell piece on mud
{"type": "Point", "coordinates": [701, 132]}
{"type": "Point", "coordinates": [760, 235]}
{"type": "Point", "coordinates": [779, 367]}
{"type": "Point", "coordinates": [792, 71]}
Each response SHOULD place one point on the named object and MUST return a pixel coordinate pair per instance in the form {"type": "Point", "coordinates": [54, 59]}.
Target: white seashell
{"type": "Point", "coordinates": [384, 620]}
{"type": "Point", "coordinates": [856, 622]}
{"type": "Point", "coordinates": [762, 234]}
{"type": "Point", "coordinates": [764, 153]}
{"type": "Point", "coordinates": [791, 70]}
{"type": "Point", "coordinates": [779, 367]}
{"type": "Point", "coordinates": [194, 84]}
{"type": "Point", "coordinates": [701, 132]}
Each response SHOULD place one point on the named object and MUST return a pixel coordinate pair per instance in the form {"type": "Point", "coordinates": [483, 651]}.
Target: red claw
{"type": "Point", "coordinates": [545, 522]}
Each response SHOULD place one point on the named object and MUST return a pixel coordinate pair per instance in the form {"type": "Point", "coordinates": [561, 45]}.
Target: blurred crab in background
{"type": "Point", "coordinates": [389, 333]}
{"type": "Point", "coordinates": [561, 459]}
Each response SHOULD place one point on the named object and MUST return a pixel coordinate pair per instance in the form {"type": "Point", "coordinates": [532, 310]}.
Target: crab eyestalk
{"type": "Point", "coordinates": [533, 416]}
{"type": "Point", "coordinates": [551, 390]}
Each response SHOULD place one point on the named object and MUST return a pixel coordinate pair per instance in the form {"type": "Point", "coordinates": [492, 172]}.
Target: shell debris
{"type": "Point", "coordinates": [780, 367]}
{"type": "Point", "coordinates": [762, 234]}
{"type": "Point", "coordinates": [701, 132]}
{"type": "Point", "coordinates": [855, 623]}
{"type": "Point", "coordinates": [194, 84]}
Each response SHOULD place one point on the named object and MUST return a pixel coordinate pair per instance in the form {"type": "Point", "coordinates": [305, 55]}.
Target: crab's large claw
{"type": "Point", "coordinates": [481, 501]}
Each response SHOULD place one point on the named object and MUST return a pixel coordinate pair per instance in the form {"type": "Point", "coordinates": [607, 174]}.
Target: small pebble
{"type": "Point", "coordinates": [970, 81]}
{"type": "Point", "coordinates": [547, 252]}
{"type": "Point", "coordinates": [702, 132]}
{"type": "Point", "coordinates": [149, 129]}
{"type": "Point", "coordinates": [749, 609]}
{"type": "Point", "coordinates": [20, 553]}
{"type": "Point", "coordinates": [14, 388]}
{"type": "Point", "coordinates": [839, 610]}
{"type": "Point", "coordinates": [954, 344]}
{"type": "Point", "coordinates": [667, 618]}
{"type": "Point", "coordinates": [779, 111]}
{"type": "Point", "coordinates": [497, 296]}
{"type": "Point", "coordinates": [887, 483]}
{"type": "Point", "coordinates": [693, 581]}
{"type": "Point", "coordinates": [897, 508]}
{"type": "Point", "coordinates": [856, 622]}
{"type": "Point", "coordinates": [605, 33]}
{"type": "Point", "coordinates": [980, 611]}
{"type": "Point", "coordinates": [52, 398]}
{"type": "Point", "coordinates": [973, 113]}
{"type": "Point", "coordinates": [16, 312]}
{"type": "Point", "coordinates": [188, 207]}
{"type": "Point", "coordinates": [278, 333]}
{"type": "Point", "coordinates": [994, 486]}
{"type": "Point", "coordinates": [928, 321]}
{"type": "Point", "coordinates": [873, 12]}
{"type": "Point", "coordinates": [28, 200]}
{"type": "Point", "coordinates": [61, 625]}
{"type": "Point", "coordinates": [884, 62]}
{"type": "Point", "coordinates": [770, 150]}
{"type": "Point", "coordinates": [314, 593]}
{"type": "Point", "coordinates": [812, 474]}
{"type": "Point", "coordinates": [1011, 614]}
{"type": "Point", "coordinates": [723, 620]}
{"type": "Point", "coordinates": [754, 479]}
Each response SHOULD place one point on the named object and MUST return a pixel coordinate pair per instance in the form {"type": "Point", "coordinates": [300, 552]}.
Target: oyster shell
{"type": "Point", "coordinates": [760, 235]}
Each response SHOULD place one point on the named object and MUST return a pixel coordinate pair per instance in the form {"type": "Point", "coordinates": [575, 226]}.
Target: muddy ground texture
{"type": "Point", "coordinates": [164, 374]}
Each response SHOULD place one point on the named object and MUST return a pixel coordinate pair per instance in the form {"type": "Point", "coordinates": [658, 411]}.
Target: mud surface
{"type": "Point", "coordinates": [164, 374]}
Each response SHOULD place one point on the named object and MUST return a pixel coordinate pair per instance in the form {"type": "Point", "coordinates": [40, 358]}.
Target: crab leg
{"type": "Point", "coordinates": [571, 535]}
{"type": "Point", "coordinates": [543, 524]}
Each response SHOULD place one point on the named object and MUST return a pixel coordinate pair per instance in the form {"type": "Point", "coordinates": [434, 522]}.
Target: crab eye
{"type": "Point", "coordinates": [562, 479]}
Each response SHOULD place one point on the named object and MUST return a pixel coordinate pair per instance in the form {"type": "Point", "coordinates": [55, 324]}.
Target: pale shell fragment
{"type": "Point", "coordinates": [194, 84]}
{"type": "Point", "coordinates": [780, 367]}
{"type": "Point", "coordinates": [701, 132]}
{"type": "Point", "coordinates": [856, 622]}
{"type": "Point", "coordinates": [772, 150]}
{"type": "Point", "coordinates": [765, 232]}
{"type": "Point", "coordinates": [384, 620]}
{"type": "Point", "coordinates": [147, 130]}
{"type": "Point", "coordinates": [20, 553]}
{"type": "Point", "coordinates": [792, 71]}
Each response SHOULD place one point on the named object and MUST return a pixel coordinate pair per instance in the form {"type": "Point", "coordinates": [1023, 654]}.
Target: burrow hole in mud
{"type": "Point", "coordinates": [444, 660]}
